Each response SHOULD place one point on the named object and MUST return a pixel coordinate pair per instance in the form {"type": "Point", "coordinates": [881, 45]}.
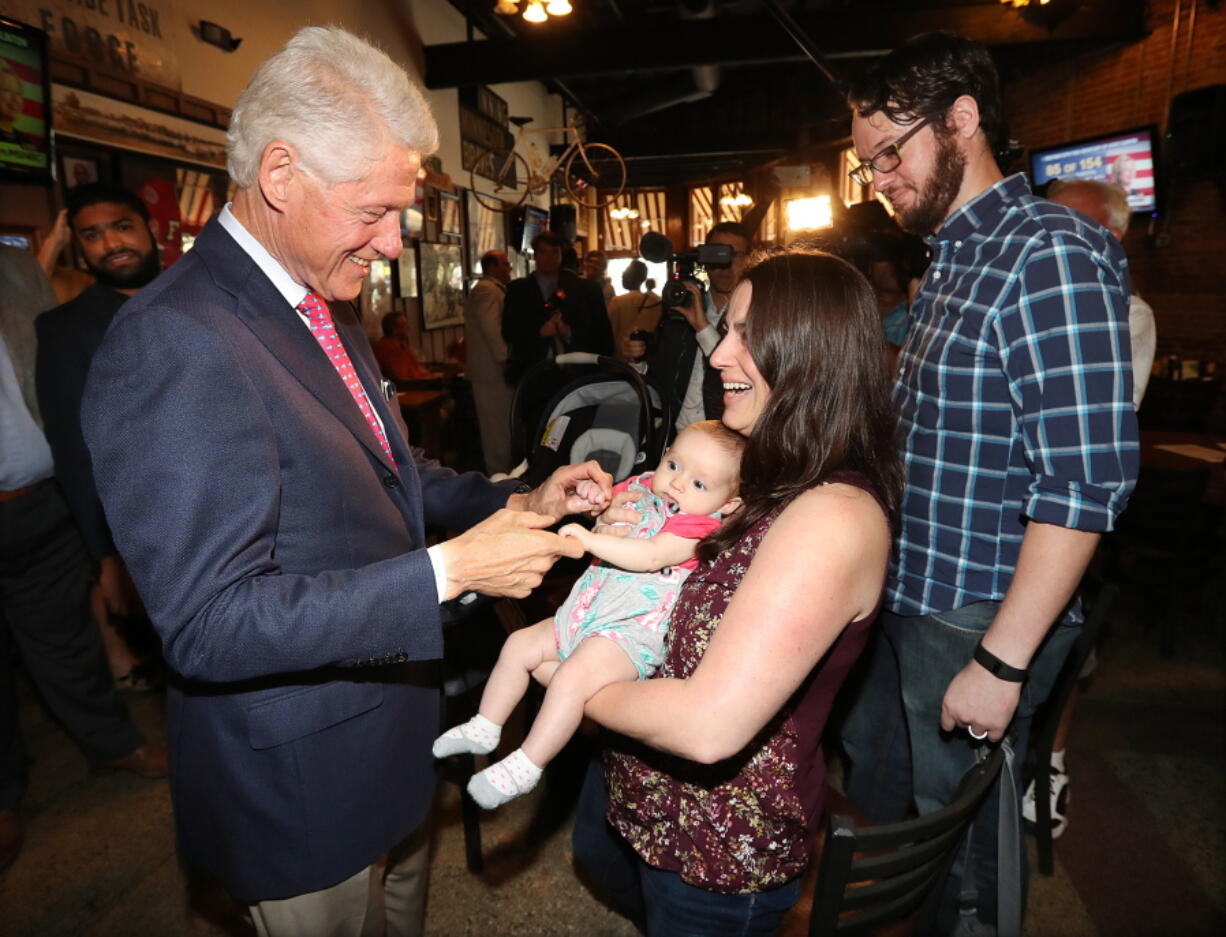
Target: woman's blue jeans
{"type": "Point", "coordinates": [900, 758]}
{"type": "Point", "coordinates": [659, 902]}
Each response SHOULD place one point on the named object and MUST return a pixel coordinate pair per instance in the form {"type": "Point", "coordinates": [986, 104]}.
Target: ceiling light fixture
{"type": "Point", "coordinates": [536, 11]}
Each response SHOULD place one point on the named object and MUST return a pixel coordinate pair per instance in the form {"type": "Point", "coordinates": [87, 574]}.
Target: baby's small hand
{"type": "Point", "coordinates": [575, 531]}
{"type": "Point", "coordinates": [590, 492]}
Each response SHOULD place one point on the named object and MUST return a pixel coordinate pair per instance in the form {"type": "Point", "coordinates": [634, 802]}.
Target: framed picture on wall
{"type": "Point", "coordinates": [377, 290]}
{"type": "Point", "coordinates": [79, 171]}
{"type": "Point", "coordinates": [406, 271]}
{"type": "Point", "coordinates": [450, 221]}
{"type": "Point", "coordinates": [81, 163]}
{"type": "Point", "coordinates": [441, 284]}
{"type": "Point", "coordinates": [431, 226]}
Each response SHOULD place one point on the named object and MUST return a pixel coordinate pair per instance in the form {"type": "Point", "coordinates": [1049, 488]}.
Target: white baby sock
{"type": "Point", "coordinates": [478, 736]}
{"type": "Point", "coordinates": [504, 781]}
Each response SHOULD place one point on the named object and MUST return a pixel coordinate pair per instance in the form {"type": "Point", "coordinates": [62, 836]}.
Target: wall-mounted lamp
{"type": "Point", "coordinates": [807, 214]}
{"type": "Point", "coordinates": [740, 200]}
{"type": "Point", "coordinates": [216, 35]}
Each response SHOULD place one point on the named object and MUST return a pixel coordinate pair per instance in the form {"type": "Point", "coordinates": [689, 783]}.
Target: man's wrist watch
{"type": "Point", "coordinates": [997, 667]}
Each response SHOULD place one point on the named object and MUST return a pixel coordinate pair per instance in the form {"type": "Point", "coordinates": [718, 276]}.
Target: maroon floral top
{"type": "Point", "coordinates": [744, 824]}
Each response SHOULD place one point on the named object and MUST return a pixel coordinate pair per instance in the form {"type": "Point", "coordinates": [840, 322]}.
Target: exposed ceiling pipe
{"type": "Point", "coordinates": [798, 34]}
{"type": "Point", "coordinates": [701, 83]}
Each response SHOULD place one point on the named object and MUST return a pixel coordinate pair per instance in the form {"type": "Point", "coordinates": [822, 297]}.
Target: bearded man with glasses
{"type": "Point", "coordinates": [1019, 442]}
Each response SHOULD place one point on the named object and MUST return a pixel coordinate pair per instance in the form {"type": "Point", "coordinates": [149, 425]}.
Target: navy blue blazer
{"type": "Point", "coordinates": [280, 556]}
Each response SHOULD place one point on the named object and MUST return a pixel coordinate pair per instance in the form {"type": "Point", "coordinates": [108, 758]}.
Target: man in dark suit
{"type": "Point", "coordinates": [551, 311]}
{"type": "Point", "coordinates": [111, 226]}
{"type": "Point", "coordinates": [273, 515]}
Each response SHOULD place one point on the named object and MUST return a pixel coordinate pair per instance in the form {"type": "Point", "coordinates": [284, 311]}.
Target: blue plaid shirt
{"type": "Point", "coordinates": [1014, 393]}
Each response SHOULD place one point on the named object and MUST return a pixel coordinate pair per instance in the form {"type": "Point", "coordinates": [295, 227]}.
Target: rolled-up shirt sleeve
{"type": "Point", "coordinates": [1067, 357]}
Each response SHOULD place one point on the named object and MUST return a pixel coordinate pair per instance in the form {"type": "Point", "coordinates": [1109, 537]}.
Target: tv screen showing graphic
{"type": "Point", "coordinates": [25, 116]}
{"type": "Point", "coordinates": [536, 220]}
{"type": "Point", "coordinates": [1127, 158]}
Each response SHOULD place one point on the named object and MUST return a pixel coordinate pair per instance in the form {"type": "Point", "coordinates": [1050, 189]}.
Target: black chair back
{"type": "Point", "coordinates": [876, 875]}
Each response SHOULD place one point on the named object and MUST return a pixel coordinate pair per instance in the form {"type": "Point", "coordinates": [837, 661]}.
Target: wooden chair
{"type": "Point", "coordinates": [873, 876]}
{"type": "Point", "coordinates": [1047, 720]}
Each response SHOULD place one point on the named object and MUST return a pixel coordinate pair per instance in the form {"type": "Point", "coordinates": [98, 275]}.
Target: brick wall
{"type": "Point", "coordinates": [1076, 96]}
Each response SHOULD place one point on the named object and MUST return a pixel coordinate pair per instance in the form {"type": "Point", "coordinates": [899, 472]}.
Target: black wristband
{"type": "Point", "coordinates": [997, 667]}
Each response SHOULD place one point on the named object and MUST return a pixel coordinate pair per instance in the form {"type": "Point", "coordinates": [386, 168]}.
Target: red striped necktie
{"type": "Point", "coordinates": [324, 330]}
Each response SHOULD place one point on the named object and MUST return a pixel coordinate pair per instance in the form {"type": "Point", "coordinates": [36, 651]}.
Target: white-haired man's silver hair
{"type": "Point", "coordinates": [336, 99]}
{"type": "Point", "coordinates": [1113, 196]}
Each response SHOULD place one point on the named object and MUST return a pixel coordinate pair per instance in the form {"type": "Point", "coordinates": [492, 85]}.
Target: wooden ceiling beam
{"type": "Point", "coordinates": [724, 41]}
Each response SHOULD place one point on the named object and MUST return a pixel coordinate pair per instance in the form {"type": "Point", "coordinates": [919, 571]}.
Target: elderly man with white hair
{"type": "Point", "coordinates": [273, 514]}
{"type": "Point", "coordinates": [1107, 203]}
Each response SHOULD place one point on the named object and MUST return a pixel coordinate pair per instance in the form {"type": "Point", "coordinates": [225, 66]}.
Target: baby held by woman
{"type": "Point", "coordinates": [621, 603]}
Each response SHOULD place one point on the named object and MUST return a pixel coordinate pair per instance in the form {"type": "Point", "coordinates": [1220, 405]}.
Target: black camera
{"type": "Point", "coordinates": [658, 249]}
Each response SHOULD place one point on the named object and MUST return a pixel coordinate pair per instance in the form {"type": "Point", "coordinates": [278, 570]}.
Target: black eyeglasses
{"type": "Point", "coordinates": [888, 158]}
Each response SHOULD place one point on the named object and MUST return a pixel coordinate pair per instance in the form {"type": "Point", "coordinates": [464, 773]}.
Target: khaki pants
{"type": "Point", "coordinates": [385, 899]}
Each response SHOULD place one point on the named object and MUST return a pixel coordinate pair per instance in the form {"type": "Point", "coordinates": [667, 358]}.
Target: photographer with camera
{"type": "Point", "coordinates": [678, 360]}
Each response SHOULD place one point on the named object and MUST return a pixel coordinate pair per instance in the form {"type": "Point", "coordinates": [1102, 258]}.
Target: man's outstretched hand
{"type": "Point", "coordinates": [585, 488]}
{"type": "Point", "coordinates": [507, 554]}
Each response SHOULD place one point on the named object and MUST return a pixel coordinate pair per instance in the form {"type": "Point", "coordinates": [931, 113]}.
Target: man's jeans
{"type": "Point", "coordinates": [898, 756]}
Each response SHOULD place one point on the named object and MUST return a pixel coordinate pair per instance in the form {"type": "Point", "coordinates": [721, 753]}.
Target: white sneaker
{"type": "Point", "coordinates": [1059, 803]}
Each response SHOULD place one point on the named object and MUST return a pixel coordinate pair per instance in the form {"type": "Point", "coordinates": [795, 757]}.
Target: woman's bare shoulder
{"type": "Point", "coordinates": [836, 503]}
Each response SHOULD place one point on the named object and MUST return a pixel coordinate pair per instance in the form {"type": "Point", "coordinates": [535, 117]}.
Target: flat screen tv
{"type": "Point", "coordinates": [25, 104]}
{"type": "Point", "coordinates": [536, 220]}
{"type": "Point", "coordinates": [1128, 157]}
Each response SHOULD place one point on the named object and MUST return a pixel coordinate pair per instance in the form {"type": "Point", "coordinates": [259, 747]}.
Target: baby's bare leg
{"type": "Point", "coordinates": [524, 651]}
{"type": "Point", "coordinates": [595, 664]}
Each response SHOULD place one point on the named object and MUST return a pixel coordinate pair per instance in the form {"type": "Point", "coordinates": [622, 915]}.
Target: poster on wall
{"type": "Point", "coordinates": [92, 117]}
{"type": "Point", "coordinates": [487, 231]}
{"type": "Point", "coordinates": [25, 144]}
{"type": "Point", "coordinates": [442, 284]}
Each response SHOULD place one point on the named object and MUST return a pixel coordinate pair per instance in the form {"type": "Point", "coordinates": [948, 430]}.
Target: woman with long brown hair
{"type": "Point", "coordinates": [715, 777]}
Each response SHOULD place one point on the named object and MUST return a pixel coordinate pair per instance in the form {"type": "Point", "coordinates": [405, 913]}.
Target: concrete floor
{"type": "Point", "coordinates": [1144, 855]}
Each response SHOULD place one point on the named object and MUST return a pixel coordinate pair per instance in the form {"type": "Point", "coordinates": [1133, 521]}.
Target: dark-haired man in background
{"type": "Point", "coordinates": [552, 310]}
{"type": "Point", "coordinates": [547, 313]}
{"type": "Point", "coordinates": [111, 226]}
{"type": "Point", "coordinates": [1019, 441]}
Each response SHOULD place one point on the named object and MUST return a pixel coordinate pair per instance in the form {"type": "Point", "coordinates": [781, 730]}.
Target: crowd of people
{"type": "Point", "coordinates": [879, 473]}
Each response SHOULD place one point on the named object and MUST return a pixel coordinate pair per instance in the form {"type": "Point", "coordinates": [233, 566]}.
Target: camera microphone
{"type": "Point", "coordinates": [656, 248]}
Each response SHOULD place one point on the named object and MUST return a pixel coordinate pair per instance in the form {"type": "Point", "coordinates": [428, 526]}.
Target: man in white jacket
{"type": "Point", "coordinates": [485, 360]}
